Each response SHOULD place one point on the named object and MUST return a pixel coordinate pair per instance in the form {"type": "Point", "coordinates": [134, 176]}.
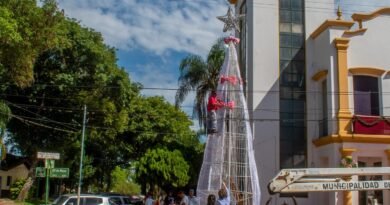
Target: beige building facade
{"type": "Point", "coordinates": [10, 175]}
{"type": "Point", "coordinates": [318, 90]}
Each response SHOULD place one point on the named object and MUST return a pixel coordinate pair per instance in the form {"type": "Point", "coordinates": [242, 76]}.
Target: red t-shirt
{"type": "Point", "coordinates": [213, 104]}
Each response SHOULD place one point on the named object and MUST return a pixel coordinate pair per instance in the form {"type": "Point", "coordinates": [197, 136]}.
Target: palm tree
{"type": "Point", "coordinates": [200, 76]}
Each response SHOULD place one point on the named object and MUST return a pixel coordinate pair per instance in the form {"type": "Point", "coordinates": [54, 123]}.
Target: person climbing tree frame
{"type": "Point", "coordinates": [213, 105]}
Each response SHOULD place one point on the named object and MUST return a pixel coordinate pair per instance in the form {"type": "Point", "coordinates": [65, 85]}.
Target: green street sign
{"type": "Point", "coordinates": [59, 173]}
{"type": "Point", "coordinates": [40, 172]}
{"type": "Point", "coordinates": [49, 163]}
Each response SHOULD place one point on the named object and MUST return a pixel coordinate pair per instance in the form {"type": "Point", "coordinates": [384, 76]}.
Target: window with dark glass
{"type": "Point", "coordinates": [93, 201]}
{"type": "Point", "coordinates": [323, 124]}
{"type": "Point", "coordinates": [366, 95]}
{"type": "Point", "coordinates": [9, 180]}
{"type": "Point", "coordinates": [292, 86]}
{"type": "Point", "coordinates": [115, 200]}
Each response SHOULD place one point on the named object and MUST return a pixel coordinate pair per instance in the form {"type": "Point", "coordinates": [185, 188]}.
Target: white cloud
{"type": "Point", "coordinates": [155, 25]}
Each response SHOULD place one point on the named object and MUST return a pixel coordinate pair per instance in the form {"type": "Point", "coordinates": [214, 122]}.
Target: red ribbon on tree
{"type": "Point", "coordinates": [230, 104]}
{"type": "Point", "coordinates": [231, 39]}
{"type": "Point", "coordinates": [231, 79]}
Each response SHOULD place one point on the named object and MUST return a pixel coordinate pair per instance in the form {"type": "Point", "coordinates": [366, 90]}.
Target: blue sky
{"type": "Point", "coordinates": [354, 6]}
{"type": "Point", "coordinates": [152, 36]}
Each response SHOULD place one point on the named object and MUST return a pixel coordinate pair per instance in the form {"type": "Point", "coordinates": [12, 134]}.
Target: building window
{"type": "Point", "coordinates": [323, 124]}
{"type": "Point", "coordinates": [292, 97]}
{"type": "Point", "coordinates": [366, 95]}
{"type": "Point", "coordinates": [9, 179]}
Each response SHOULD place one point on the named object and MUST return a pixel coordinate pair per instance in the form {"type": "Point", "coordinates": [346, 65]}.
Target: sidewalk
{"type": "Point", "coordinates": [7, 202]}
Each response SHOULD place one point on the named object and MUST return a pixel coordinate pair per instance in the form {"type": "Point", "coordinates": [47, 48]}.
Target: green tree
{"type": "Point", "coordinates": [201, 76]}
{"type": "Point", "coordinates": [156, 124]}
{"type": "Point", "coordinates": [25, 31]}
{"type": "Point", "coordinates": [122, 182]}
{"type": "Point", "coordinates": [163, 168]}
{"type": "Point", "coordinates": [47, 114]}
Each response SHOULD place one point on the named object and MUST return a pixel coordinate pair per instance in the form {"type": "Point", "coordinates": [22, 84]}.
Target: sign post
{"type": "Point", "coordinates": [47, 182]}
{"type": "Point", "coordinates": [49, 158]}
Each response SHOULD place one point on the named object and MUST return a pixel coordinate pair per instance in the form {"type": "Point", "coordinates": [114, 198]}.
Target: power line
{"type": "Point", "coordinates": [228, 118]}
{"type": "Point", "coordinates": [194, 90]}
{"type": "Point", "coordinates": [28, 120]}
{"type": "Point", "coordinates": [71, 110]}
{"type": "Point", "coordinates": [41, 125]}
{"type": "Point", "coordinates": [41, 117]}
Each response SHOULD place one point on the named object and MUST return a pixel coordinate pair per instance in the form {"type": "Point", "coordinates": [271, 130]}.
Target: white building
{"type": "Point", "coordinates": [312, 83]}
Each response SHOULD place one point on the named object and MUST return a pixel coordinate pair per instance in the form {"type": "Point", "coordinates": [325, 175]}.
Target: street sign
{"type": "Point", "coordinates": [59, 173]}
{"type": "Point", "coordinates": [49, 163]}
{"type": "Point", "coordinates": [40, 172]}
{"type": "Point", "coordinates": [48, 155]}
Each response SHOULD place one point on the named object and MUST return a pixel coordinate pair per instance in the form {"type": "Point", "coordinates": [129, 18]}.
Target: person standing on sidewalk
{"type": "Point", "coordinates": [193, 200]}
{"type": "Point", "coordinates": [224, 196]}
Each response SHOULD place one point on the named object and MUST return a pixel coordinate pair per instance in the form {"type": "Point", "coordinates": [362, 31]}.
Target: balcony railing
{"type": "Point", "coordinates": [377, 125]}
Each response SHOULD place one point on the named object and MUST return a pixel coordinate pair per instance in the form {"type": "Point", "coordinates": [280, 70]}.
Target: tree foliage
{"type": "Point", "coordinates": [163, 167]}
{"type": "Point", "coordinates": [202, 76]}
{"type": "Point", "coordinates": [25, 31]}
{"type": "Point", "coordinates": [16, 187]}
{"type": "Point", "coordinates": [157, 124]}
{"type": "Point", "coordinates": [122, 182]}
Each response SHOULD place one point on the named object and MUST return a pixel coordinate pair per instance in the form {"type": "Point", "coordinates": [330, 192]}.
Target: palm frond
{"type": "Point", "coordinates": [201, 76]}
{"type": "Point", "coordinates": [192, 71]}
{"type": "Point", "coordinates": [181, 94]}
{"type": "Point", "coordinates": [200, 106]}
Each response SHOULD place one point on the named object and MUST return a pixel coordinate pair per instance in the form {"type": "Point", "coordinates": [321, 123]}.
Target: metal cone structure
{"type": "Point", "coordinates": [229, 155]}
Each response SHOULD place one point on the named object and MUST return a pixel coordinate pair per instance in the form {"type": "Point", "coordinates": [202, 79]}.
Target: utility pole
{"type": "Point", "coordinates": [81, 156]}
{"type": "Point", "coordinates": [47, 168]}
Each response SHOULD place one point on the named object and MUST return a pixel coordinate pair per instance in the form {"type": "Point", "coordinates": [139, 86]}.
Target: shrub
{"type": "Point", "coordinates": [16, 187]}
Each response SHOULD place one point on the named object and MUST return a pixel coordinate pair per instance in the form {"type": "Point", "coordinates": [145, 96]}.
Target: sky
{"type": "Point", "coordinates": [152, 36]}
{"type": "Point", "coordinates": [355, 6]}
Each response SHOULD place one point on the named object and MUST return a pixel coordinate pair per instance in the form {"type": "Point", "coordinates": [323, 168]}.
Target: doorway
{"type": "Point", "coordinates": [370, 197]}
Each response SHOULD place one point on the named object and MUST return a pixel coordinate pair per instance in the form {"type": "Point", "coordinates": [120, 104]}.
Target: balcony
{"type": "Point", "coordinates": [373, 125]}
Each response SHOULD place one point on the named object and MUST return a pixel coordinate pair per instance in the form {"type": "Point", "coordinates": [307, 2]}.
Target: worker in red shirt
{"type": "Point", "coordinates": [212, 106]}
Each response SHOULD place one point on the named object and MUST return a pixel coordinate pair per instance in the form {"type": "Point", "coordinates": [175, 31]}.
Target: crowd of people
{"type": "Point", "coordinates": [170, 199]}
{"type": "Point", "coordinates": [182, 199]}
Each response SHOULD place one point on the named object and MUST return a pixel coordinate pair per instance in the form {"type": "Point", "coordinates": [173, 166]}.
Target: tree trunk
{"type": "Point", "coordinates": [29, 182]}
{"type": "Point", "coordinates": [143, 188]}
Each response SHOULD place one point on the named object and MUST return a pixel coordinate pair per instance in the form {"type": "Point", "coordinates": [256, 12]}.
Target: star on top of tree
{"type": "Point", "coordinates": [230, 20]}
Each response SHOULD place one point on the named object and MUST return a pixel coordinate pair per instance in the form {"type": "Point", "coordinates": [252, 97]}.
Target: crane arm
{"type": "Point", "coordinates": [327, 179]}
